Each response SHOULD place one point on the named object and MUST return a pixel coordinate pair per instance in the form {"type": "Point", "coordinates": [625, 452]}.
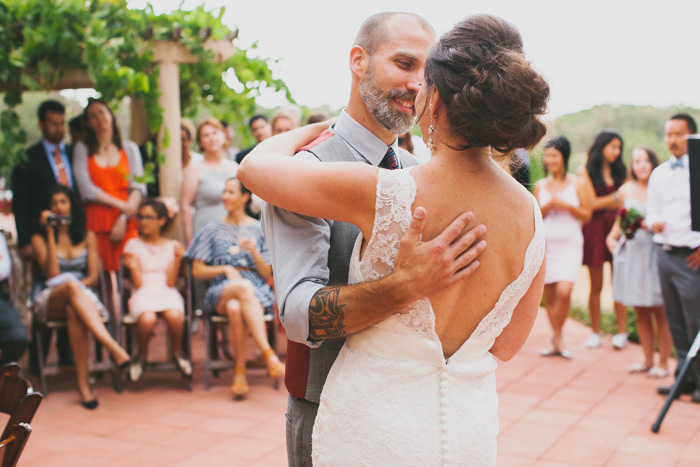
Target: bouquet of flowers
{"type": "Point", "coordinates": [630, 221]}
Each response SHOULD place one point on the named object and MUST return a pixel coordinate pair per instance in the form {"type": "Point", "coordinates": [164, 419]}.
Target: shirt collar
{"type": "Point", "coordinates": [49, 147]}
{"type": "Point", "coordinates": [362, 140]}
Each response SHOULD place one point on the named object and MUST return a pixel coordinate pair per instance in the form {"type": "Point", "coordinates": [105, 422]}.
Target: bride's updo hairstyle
{"type": "Point", "coordinates": [492, 95]}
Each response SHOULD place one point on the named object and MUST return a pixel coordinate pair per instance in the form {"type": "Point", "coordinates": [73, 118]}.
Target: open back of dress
{"type": "Point", "coordinates": [391, 397]}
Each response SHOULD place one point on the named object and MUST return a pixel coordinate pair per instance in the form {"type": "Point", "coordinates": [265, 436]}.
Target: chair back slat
{"type": "Point", "coordinates": [12, 445]}
{"type": "Point", "coordinates": [24, 413]}
{"type": "Point", "coordinates": [12, 390]}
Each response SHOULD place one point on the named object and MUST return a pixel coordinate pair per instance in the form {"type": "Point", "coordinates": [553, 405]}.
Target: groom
{"type": "Point", "coordinates": [310, 257]}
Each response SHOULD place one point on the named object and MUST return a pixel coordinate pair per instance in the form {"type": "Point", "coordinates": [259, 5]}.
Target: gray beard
{"type": "Point", "coordinates": [380, 107]}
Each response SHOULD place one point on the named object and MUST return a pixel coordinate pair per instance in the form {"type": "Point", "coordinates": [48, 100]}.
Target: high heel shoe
{"type": "Point", "coordinates": [240, 387]}
{"type": "Point", "coordinates": [90, 405]}
{"type": "Point", "coordinates": [275, 369]}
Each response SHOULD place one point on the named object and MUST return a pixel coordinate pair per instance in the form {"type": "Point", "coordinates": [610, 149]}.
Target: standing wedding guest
{"type": "Point", "coordinates": [284, 120]}
{"type": "Point", "coordinates": [187, 132]}
{"type": "Point", "coordinates": [604, 174]}
{"type": "Point", "coordinates": [677, 246]}
{"type": "Point", "coordinates": [230, 150]}
{"type": "Point", "coordinates": [635, 271]}
{"type": "Point", "coordinates": [105, 171]}
{"type": "Point", "coordinates": [260, 129]}
{"type": "Point", "coordinates": [565, 204]}
{"type": "Point", "coordinates": [68, 256]}
{"type": "Point", "coordinates": [231, 253]}
{"type": "Point", "coordinates": [154, 264]}
{"type": "Point", "coordinates": [204, 181]}
{"type": "Point", "coordinates": [317, 117]}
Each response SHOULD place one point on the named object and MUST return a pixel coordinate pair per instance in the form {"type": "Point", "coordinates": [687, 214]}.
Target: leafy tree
{"type": "Point", "coordinates": [42, 39]}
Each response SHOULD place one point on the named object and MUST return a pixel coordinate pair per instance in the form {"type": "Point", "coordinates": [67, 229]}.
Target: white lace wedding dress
{"type": "Point", "coordinates": [391, 398]}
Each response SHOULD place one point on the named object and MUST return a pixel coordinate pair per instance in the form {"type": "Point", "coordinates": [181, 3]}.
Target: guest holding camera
{"type": "Point", "coordinates": [67, 254]}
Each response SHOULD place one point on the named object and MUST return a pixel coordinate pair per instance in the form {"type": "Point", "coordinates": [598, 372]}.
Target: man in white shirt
{"type": "Point", "coordinates": [678, 255]}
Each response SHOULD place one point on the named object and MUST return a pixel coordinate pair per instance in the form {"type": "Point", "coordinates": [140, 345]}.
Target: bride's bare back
{"type": "Point", "coordinates": [498, 202]}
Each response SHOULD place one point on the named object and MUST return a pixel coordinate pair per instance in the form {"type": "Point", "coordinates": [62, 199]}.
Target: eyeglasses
{"type": "Point", "coordinates": [146, 218]}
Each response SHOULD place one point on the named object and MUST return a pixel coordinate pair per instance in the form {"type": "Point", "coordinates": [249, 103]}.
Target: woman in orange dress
{"type": "Point", "coordinates": [104, 168]}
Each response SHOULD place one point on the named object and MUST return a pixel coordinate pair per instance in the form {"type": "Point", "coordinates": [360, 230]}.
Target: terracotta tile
{"type": "Point", "coordinates": [503, 460]}
{"type": "Point", "coordinates": [525, 439]}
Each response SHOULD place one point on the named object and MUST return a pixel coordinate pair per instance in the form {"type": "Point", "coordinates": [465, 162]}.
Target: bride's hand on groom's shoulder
{"type": "Point", "coordinates": [429, 267]}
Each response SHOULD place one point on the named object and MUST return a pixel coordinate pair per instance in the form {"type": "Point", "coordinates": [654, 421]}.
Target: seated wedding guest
{"type": "Point", "coordinates": [233, 256]}
{"type": "Point", "coordinates": [635, 272]}
{"type": "Point", "coordinates": [564, 204]}
{"type": "Point", "coordinates": [105, 167]}
{"type": "Point", "coordinates": [603, 175]}
{"type": "Point", "coordinates": [68, 256]}
{"type": "Point", "coordinates": [204, 181]}
{"type": "Point", "coordinates": [13, 335]}
{"type": "Point", "coordinates": [154, 264]}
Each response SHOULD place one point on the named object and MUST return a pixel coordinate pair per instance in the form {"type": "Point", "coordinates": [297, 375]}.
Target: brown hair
{"type": "Point", "coordinates": [208, 121]}
{"type": "Point", "coordinates": [492, 95]}
{"type": "Point", "coordinates": [91, 137]}
{"type": "Point", "coordinates": [653, 158]}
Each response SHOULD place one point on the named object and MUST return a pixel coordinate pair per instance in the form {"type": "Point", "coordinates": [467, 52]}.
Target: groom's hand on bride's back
{"type": "Point", "coordinates": [429, 267]}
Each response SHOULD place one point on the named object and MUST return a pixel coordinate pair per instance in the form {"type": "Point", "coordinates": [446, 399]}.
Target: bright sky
{"type": "Point", "coordinates": [591, 51]}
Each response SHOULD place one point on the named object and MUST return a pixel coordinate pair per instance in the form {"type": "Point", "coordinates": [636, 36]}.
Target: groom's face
{"type": "Point", "coordinates": [395, 73]}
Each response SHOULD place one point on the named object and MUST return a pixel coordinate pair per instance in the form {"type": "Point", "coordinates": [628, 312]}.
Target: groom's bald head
{"type": "Point", "coordinates": [376, 28]}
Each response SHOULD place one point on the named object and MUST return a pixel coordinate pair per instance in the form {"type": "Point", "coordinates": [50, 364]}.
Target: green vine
{"type": "Point", "coordinates": [42, 39]}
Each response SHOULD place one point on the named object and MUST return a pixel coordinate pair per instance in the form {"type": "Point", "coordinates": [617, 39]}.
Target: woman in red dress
{"type": "Point", "coordinates": [605, 173]}
{"type": "Point", "coordinates": [105, 171]}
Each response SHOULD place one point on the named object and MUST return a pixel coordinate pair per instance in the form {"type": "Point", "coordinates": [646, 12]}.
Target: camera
{"type": "Point", "coordinates": [55, 220]}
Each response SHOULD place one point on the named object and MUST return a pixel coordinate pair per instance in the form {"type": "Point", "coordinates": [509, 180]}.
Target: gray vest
{"type": "Point", "coordinates": [342, 241]}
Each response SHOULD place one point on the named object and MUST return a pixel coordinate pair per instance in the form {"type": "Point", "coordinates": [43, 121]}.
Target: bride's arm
{"type": "Point", "coordinates": [342, 191]}
{"type": "Point", "coordinates": [515, 333]}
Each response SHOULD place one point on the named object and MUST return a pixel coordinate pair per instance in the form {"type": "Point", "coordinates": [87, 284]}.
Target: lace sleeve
{"type": "Point", "coordinates": [396, 191]}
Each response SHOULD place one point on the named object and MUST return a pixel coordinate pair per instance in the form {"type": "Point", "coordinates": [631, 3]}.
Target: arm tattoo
{"type": "Point", "coordinates": [326, 315]}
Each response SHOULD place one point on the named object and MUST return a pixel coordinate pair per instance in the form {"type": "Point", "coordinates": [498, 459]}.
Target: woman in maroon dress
{"type": "Point", "coordinates": [605, 173]}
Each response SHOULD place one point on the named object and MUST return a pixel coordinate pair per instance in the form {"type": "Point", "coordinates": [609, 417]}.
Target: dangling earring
{"type": "Point", "coordinates": [431, 132]}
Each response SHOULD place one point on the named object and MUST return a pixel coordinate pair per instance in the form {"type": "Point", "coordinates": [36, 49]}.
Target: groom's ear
{"type": "Point", "coordinates": [359, 58]}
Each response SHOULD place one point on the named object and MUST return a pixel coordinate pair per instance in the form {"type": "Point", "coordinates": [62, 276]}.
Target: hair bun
{"type": "Point", "coordinates": [493, 95]}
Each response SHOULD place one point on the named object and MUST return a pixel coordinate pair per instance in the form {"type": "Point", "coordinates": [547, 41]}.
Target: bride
{"type": "Point", "coordinates": [419, 387]}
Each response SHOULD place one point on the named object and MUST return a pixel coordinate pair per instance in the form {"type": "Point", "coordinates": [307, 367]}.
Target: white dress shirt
{"type": "Point", "coordinates": [668, 201]}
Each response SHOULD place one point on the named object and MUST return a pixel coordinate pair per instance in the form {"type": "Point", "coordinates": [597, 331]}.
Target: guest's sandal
{"type": "Point", "coordinates": [638, 368]}
{"type": "Point", "coordinates": [275, 368]}
{"type": "Point", "coordinates": [656, 372]}
{"type": "Point", "coordinates": [240, 387]}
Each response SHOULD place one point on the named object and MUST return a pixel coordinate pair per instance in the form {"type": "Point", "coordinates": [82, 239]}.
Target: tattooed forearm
{"type": "Point", "coordinates": [326, 315]}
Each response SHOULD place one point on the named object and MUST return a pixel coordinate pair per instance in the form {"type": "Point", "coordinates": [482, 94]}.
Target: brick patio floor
{"type": "Point", "coordinates": [553, 412]}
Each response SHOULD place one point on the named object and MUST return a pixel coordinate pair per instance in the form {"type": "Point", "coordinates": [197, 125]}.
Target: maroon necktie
{"type": "Point", "coordinates": [60, 168]}
{"type": "Point", "coordinates": [389, 162]}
